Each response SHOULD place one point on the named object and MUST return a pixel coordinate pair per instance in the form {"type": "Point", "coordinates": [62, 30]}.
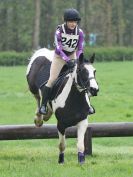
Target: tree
{"type": "Point", "coordinates": [36, 26]}
{"type": "Point", "coordinates": [4, 26]}
{"type": "Point", "coordinates": [15, 29]}
{"type": "Point", "coordinates": [120, 22]}
{"type": "Point", "coordinates": [79, 5]}
{"type": "Point", "coordinates": [28, 24]}
{"type": "Point", "coordinates": [109, 35]}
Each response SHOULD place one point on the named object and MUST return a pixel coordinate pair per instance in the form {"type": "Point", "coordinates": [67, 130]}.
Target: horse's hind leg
{"type": "Point", "coordinates": [61, 148]}
{"type": "Point", "coordinates": [38, 118]}
{"type": "Point", "coordinates": [82, 126]}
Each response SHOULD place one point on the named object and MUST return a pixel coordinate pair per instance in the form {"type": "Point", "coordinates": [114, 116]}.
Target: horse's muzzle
{"type": "Point", "coordinates": [94, 91]}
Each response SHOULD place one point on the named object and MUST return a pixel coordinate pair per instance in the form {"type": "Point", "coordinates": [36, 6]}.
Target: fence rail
{"type": "Point", "coordinates": [48, 131]}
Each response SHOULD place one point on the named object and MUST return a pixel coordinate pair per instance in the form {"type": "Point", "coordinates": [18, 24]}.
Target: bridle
{"type": "Point", "coordinates": [83, 85]}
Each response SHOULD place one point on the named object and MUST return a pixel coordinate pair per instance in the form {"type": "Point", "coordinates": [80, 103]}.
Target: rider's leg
{"type": "Point", "coordinates": [55, 69]}
{"type": "Point", "coordinates": [45, 98]}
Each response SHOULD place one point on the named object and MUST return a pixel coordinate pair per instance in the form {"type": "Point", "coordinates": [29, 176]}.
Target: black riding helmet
{"type": "Point", "coordinates": [71, 15]}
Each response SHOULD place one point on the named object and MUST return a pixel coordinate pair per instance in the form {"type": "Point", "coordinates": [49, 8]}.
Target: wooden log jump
{"type": "Point", "coordinates": [48, 131]}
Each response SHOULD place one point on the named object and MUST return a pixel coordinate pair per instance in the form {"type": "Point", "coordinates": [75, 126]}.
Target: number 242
{"type": "Point", "coordinates": [71, 42]}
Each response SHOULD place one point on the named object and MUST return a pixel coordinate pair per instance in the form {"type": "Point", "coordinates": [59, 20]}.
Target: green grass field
{"type": "Point", "coordinates": [112, 157]}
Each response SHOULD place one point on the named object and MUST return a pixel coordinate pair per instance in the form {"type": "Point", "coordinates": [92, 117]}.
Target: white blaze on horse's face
{"type": "Point", "coordinates": [91, 76]}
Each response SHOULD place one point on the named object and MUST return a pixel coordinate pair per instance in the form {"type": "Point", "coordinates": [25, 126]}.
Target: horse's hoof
{"type": "Point", "coordinates": [61, 158]}
{"type": "Point", "coordinates": [38, 123]}
{"type": "Point", "coordinates": [46, 117]}
{"type": "Point", "coordinates": [81, 158]}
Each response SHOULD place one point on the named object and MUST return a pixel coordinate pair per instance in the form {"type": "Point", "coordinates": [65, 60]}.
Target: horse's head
{"type": "Point", "coordinates": [86, 75]}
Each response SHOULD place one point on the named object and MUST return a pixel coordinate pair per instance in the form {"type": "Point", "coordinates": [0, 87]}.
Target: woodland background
{"type": "Point", "coordinates": [31, 24]}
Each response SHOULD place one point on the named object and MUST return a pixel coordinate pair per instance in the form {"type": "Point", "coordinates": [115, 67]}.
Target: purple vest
{"type": "Point", "coordinates": [68, 41]}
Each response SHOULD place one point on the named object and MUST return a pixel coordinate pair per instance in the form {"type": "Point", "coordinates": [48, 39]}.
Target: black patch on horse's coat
{"type": "Point", "coordinates": [43, 75]}
{"type": "Point", "coordinates": [75, 110]}
{"type": "Point", "coordinates": [38, 74]}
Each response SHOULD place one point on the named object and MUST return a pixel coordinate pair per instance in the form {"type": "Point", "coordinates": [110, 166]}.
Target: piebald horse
{"type": "Point", "coordinates": [70, 95]}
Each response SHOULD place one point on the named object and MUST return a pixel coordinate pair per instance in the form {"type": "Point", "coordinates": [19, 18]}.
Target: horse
{"type": "Point", "coordinates": [70, 95]}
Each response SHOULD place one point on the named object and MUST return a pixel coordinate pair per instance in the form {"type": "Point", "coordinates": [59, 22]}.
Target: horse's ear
{"type": "Point", "coordinates": [91, 60]}
{"type": "Point", "coordinates": [81, 59]}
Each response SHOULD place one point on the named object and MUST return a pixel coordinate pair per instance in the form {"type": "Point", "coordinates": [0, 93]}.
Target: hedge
{"type": "Point", "coordinates": [11, 58]}
{"type": "Point", "coordinates": [111, 53]}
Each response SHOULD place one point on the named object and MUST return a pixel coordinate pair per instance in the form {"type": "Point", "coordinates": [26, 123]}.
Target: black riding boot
{"type": "Point", "coordinates": [45, 98]}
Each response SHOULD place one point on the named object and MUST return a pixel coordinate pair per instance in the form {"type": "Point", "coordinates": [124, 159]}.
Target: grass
{"type": "Point", "coordinates": [111, 156]}
{"type": "Point", "coordinates": [114, 102]}
{"type": "Point", "coordinates": [39, 158]}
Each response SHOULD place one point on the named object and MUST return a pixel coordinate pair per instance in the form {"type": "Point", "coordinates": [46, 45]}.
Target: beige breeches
{"type": "Point", "coordinates": [56, 66]}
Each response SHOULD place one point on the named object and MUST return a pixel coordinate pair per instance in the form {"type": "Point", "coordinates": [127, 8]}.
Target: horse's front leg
{"type": "Point", "coordinates": [61, 148]}
{"type": "Point", "coordinates": [82, 126]}
{"type": "Point", "coordinates": [38, 118]}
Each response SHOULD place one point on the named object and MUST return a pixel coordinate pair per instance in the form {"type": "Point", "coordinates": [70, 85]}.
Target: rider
{"type": "Point", "coordinates": [69, 39]}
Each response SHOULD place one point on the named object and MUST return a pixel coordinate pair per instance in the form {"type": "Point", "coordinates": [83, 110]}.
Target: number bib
{"type": "Point", "coordinates": [69, 42]}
